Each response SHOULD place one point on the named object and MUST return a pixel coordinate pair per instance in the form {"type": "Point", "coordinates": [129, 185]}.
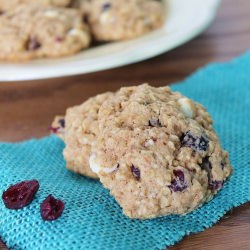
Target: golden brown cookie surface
{"type": "Point", "coordinates": [157, 152]}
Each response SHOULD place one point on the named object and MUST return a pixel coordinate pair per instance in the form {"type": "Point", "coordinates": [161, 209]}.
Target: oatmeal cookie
{"type": "Point", "coordinates": [32, 31]}
{"type": "Point", "coordinates": [119, 20]}
{"type": "Point", "coordinates": [79, 129]}
{"type": "Point", "coordinates": [157, 152]}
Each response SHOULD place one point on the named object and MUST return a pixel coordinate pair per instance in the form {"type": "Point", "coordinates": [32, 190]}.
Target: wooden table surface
{"type": "Point", "coordinates": [27, 109]}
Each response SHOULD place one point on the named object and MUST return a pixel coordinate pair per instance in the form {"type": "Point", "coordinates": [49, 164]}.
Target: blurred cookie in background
{"type": "Point", "coordinates": [34, 31]}
{"type": "Point", "coordinates": [120, 20]}
{"type": "Point", "coordinates": [6, 5]}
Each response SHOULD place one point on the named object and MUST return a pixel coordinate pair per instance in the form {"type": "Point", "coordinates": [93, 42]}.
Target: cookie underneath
{"type": "Point", "coordinates": [78, 129]}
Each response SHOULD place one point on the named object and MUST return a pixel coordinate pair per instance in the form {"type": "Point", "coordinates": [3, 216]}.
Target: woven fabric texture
{"type": "Point", "coordinates": [92, 219]}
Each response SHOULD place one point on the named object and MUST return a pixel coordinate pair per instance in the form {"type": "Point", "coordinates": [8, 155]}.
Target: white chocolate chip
{"type": "Point", "coordinates": [149, 143]}
{"type": "Point", "coordinates": [51, 13]}
{"type": "Point", "coordinates": [74, 32]}
{"type": "Point", "coordinates": [110, 170]}
{"type": "Point", "coordinates": [187, 107]}
{"type": "Point", "coordinates": [79, 33]}
{"type": "Point", "coordinates": [107, 18]}
{"type": "Point", "coordinates": [97, 168]}
{"type": "Point", "coordinates": [94, 167]}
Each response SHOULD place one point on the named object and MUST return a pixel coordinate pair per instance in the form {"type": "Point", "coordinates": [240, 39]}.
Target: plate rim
{"type": "Point", "coordinates": [119, 63]}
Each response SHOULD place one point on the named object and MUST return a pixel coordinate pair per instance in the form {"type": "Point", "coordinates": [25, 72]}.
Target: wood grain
{"type": "Point", "coordinates": [27, 109]}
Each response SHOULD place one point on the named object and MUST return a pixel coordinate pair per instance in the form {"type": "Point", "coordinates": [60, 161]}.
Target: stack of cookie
{"type": "Point", "coordinates": [54, 28]}
{"type": "Point", "coordinates": [154, 149]}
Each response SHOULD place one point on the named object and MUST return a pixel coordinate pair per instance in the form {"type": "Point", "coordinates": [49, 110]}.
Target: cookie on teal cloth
{"type": "Point", "coordinates": [92, 219]}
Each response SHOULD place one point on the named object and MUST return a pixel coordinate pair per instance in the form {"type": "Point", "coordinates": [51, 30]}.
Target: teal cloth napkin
{"type": "Point", "coordinates": [92, 219]}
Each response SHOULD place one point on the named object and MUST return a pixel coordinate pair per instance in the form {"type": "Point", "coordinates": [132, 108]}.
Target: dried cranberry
{"type": "Point", "coordinates": [53, 130]}
{"type": "Point", "coordinates": [196, 143]}
{"type": "Point", "coordinates": [215, 185]}
{"type": "Point", "coordinates": [59, 39]}
{"type": "Point", "coordinates": [154, 123]}
{"type": "Point", "coordinates": [62, 123]}
{"type": "Point", "coordinates": [136, 172]}
{"type": "Point", "coordinates": [207, 166]}
{"type": "Point", "coordinates": [116, 167]}
{"type": "Point", "coordinates": [20, 194]}
{"type": "Point", "coordinates": [51, 208]}
{"type": "Point", "coordinates": [33, 44]}
{"type": "Point", "coordinates": [106, 6]}
{"type": "Point", "coordinates": [85, 18]}
{"type": "Point", "coordinates": [178, 184]}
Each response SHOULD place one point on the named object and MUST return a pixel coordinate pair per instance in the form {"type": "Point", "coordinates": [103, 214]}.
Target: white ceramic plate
{"type": "Point", "coordinates": [186, 19]}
